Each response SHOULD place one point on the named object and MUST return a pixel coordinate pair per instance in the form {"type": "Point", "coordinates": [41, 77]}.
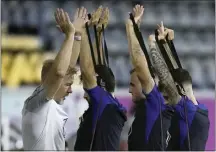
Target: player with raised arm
{"type": "Point", "coordinates": [43, 118]}
{"type": "Point", "coordinates": [149, 129]}
{"type": "Point", "coordinates": [197, 114]}
{"type": "Point", "coordinates": [104, 119]}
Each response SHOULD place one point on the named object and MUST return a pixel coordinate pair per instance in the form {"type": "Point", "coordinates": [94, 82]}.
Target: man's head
{"type": "Point", "coordinates": [135, 87]}
{"type": "Point", "coordinates": [180, 76]}
{"type": "Point", "coordinates": [105, 79]}
{"type": "Point", "coordinates": [65, 87]}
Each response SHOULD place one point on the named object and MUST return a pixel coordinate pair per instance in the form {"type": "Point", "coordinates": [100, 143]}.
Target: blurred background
{"type": "Point", "coordinates": [29, 36]}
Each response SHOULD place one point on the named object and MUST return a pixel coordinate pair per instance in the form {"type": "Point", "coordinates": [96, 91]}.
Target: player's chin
{"type": "Point", "coordinates": [65, 96]}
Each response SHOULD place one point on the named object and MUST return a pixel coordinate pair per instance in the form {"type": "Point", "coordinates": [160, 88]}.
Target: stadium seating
{"type": "Point", "coordinates": [193, 23]}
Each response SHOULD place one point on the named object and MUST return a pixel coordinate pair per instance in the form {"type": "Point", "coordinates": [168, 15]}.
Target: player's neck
{"type": "Point", "coordinates": [190, 94]}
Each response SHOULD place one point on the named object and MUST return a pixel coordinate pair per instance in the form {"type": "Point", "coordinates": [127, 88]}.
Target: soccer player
{"type": "Point", "coordinates": [103, 121]}
{"type": "Point", "coordinates": [196, 113]}
{"type": "Point", "coordinates": [152, 116]}
{"type": "Point", "coordinates": [43, 118]}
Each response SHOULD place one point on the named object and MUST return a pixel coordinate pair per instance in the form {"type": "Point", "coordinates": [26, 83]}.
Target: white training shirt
{"type": "Point", "coordinates": [43, 123]}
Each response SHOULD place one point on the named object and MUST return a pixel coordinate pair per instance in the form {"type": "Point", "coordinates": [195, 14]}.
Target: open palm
{"type": "Point", "coordinates": [138, 13]}
{"type": "Point", "coordinates": [80, 18]}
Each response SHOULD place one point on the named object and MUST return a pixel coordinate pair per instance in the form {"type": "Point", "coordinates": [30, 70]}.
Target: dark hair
{"type": "Point", "coordinates": [181, 76]}
{"type": "Point", "coordinates": [105, 77]}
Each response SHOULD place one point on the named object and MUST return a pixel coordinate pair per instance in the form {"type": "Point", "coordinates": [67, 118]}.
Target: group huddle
{"type": "Point", "coordinates": [167, 114]}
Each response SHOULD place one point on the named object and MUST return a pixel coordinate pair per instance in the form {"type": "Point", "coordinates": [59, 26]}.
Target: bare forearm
{"type": "Point", "coordinates": [75, 53]}
{"type": "Point", "coordinates": [99, 34]}
{"type": "Point", "coordinates": [139, 60]}
{"type": "Point", "coordinates": [62, 59]}
{"type": "Point", "coordinates": [163, 73]}
{"type": "Point", "coordinates": [135, 50]}
{"type": "Point", "coordinates": [86, 64]}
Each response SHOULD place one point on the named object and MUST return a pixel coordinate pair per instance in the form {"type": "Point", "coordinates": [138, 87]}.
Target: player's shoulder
{"type": "Point", "coordinates": [37, 97]}
{"type": "Point", "coordinates": [36, 93]}
{"type": "Point", "coordinates": [154, 90]}
{"type": "Point", "coordinates": [153, 94]}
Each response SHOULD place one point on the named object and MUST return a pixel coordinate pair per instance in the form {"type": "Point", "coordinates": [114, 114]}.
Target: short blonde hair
{"type": "Point", "coordinates": [47, 64]}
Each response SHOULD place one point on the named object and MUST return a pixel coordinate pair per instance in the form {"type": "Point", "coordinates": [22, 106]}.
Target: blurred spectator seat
{"type": "Point", "coordinates": [24, 42]}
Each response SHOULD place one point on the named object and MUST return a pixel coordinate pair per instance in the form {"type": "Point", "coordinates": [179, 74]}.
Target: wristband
{"type": "Point", "coordinates": [77, 38]}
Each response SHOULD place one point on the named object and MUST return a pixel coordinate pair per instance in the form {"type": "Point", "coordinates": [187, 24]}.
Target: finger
{"type": "Point", "coordinates": [166, 32]}
{"type": "Point", "coordinates": [76, 14]}
{"type": "Point", "coordinates": [99, 10]}
{"type": "Point", "coordinates": [137, 7]}
{"type": "Point", "coordinates": [57, 13]}
{"type": "Point", "coordinates": [143, 9]}
{"type": "Point", "coordinates": [86, 17]}
{"type": "Point", "coordinates": [62, 15]}
{"type": "Point", "coordinates": [103, 14]}
{"type": "Point", "coordinates": [56, 17]}
{"type": "Point", "coordinates": [134, 10]}
{"type": "Point", "coordinates": [159, 26]}
{"type": "Point", "coordinates": [84, 13]}
{"type": "Point", "coordinates": [80, 12]}
{"type": "Point", "coordinates": [162, 24]}
{"type": "Point", "coordinates": [107, 11]}
{"type": "Point", "coordinates": [67, 18]}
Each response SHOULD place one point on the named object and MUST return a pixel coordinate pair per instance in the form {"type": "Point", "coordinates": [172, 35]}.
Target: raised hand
{"type": "Point", "coordinates": [170, 33]}
{"type": "Point", "coordinates": [63, 22]}
{"type": "Point", "coordinates": [95, 16]}
{"type": "Point", "coordinates": [161, 31]}
{"type": "Point", "coordinates": [151, 40]}
{"type": "Point", "coordinates": [80, 18]}
{"type": "Point", "coordinates": [138, 13]}
{"type": "Point", "coordinates": [104, 18]}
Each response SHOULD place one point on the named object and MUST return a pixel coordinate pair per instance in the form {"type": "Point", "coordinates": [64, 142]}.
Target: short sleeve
{"type": "Point", "coordinates": [191, 108]}
{"type": "Point", "coordinates": [202, 107]}
{"type": "Point", "coordinates": [154, 103]}
{"type": "Point", "coordinates": [96, 94]}
{"type": "Point", "coordinates": [180, 110]}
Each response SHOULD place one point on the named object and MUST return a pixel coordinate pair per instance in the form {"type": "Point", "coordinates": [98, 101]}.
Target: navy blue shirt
{"type": "Point", "coordinates": [145, 133]}
{"type": "Point", "coordinates": [198, 123]}
{"type": "Point", "coordinates": [106, 116]}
